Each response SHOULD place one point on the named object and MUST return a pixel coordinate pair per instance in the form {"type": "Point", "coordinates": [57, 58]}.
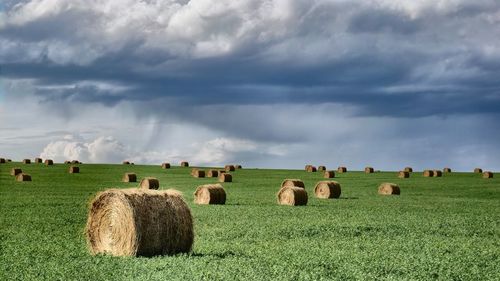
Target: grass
{"type": "Point", "coordinates": [438, 228]}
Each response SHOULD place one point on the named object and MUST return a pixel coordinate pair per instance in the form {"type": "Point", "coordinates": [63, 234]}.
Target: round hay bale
{"type": "Point", "coordinates": [9, 160]}
{"type": "Point", "coordinates": [210, 194]}
{"type": "Point", "coordinates": [222, 171]}
{"type": "Point", "coordinates": [428, 173]}
{"type": "Point", "coordinates": [292, 196]}
{"type": "Point", "coordinates": [408, 169]}
{"type": "Point", "coordinates": [293, 182]}
{"type": "Point", "coordinates": [487, 175]}
{"type": "Point", "coordinates": [139, 222]}
{"type": "Point", "coordinates": [184, 164]}
{"type": "Point", "coordinates": [342, 169]}
{"type": "Point", "coordinates": [478, 170]}
{"type": "Point", "coordinates": [165, 165]}
{"type": "Point", "coordinates": [403, 174]}
{"type": "Point", "coordinates": [198, 173]}
{"type": "Point", "coordinates": [437, 173]}
{"type": "Point", "coordinates": [67, 162]}
{"type": "Point", "coordinates": [225, 177]}
{"type": "Point", "coordinates": [327, 189]}
{"type": "Point", "coordinates": [15, 171]}
{"type": "Point", "coordinates": [38, 160]}
{"type": "Point", "coordinates": [389, 189]}
{"type": "Point", "coordinates": [229, 168]}
{"type": "Point", "coordinates": [311, 169]}
{"type": "Point", "coordinates": [23, 177]}
{"type": "Point", "coordinates": [329, 174]}
{"type": "Point", "coordinates": [2, 160]}
{"type": "Point", "coordinates": [322, 168]}
{"type": "Point", "coordinates": [307, 167]}
{"type": "Point", "coordinates": [446, 170]}
{"type": "Point", "coordinates": [238, 166]}
{"type": "Point", "coordinates": [129, 177]}
{"type": "Point", "coordinates": [26, 161]}
{"type": "Point", "coordinates": [149, 183]}
{"type": "Point", "coordinates": [49, 162]}
{"type": "Point", "coordinates": [74, 169]}
{"type": "Point", "coordinates": [369, 170]}
{"type": "Point", "coordinates": [212, 173]}
{"type": "Point", "coordinates": [75, 162]}
{"type": "Point", "coordinates": [126, 163]}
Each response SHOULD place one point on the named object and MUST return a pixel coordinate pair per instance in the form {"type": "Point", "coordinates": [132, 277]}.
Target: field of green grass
{"type": "Point", "coordinates": [438, 228]}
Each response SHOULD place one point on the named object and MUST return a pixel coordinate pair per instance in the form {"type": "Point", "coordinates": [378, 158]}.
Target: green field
{"type": "Point", "coordinates": [438, 228]}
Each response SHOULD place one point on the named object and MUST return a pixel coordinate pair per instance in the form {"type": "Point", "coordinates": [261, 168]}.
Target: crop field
{"type": "Point", "coordinates": [444, 228]}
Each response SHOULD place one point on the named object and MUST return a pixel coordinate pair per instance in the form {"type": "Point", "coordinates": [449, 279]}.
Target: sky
{"type": "Point", "coordinates": [267, 84]}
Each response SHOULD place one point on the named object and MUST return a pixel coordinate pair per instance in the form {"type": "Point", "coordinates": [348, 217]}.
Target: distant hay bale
{"type": "Point", "coordinates": [184, 164]}
{"type": "Point", "coordinates": [225, 177]}
{"type": "Point", "coordinates": [139, 222]}
{"type": "Point", "coordinates": [292, 196]}
{"type": "Point", "coordinates": [67, 162]}
{"type": "Point", "coordinates": [75, 162]}
{"type": "Point", "coordinates": [212, 173]}
{"type": "Point", "coordinates": [9, 160]}
{"type": "Point", "coordinates": [408, 169]}
{"type": "Point", "coordinates": [478, 170]}
{"type": "Point", "coordinates": [23, 177]}
{"type": "Point", "coordinates": [329, 174]}
{"type": "Point", "coordinates": [26, 161]}
{"type": "Point", "coordinates": [322, 168]}
{"type": "Point", "coordinates": [238, 167]}
{"type": "Point", "coordinates": [428, 173]}
{"type": "Point", "coordinates": [311, 169]}
{"type": "Point", "coordinates": [132, 163]}
{"type": "Point", "coordinates": [437, 173]}
{"type": "Point", "coordinates": [198, 173]}
{"type": "Point", "coordinates": [487, 175]}
{"type": "Point", "coordinates": [369, 170]}
{"type": "Point", "coordinates": [149, 183]}
{"type": "Point", "coordinates": [129, 177]}
{"type": "Point", "coordinates": [49, 162]}
{"type": "Point", "coordinates": [327, 189]}
{"type": "Point", "coordinates": [38, 160]}
{"type": "Point", "coordinates": [403, 174]}
{"type": "Point", "coordinates": [293, 182]}
{"type": "Point", "coordinates": [210, 194]}
{"type": "Point", "coordinates": [126, 163]}
{"type": "Point", "coordinates": [165, 165]}
{"type": "Point", "coordinates": [229, 168]}
{"type": "Point", "coordinates": [2, 160]}
{"type": "Point", "coordinates": [307, 167]}
{"type": "Point", "coordinates": [222, 171]}
{"type": "Point", "coordinates": [74, 169]}
{"type": "Point", "coordinates": [389, 189]}
{"type": "Point", "coordinates": [447, 170]}
{"type": "Point", "coordinates": [342, 169]}
{"type": "Point", "coordinates": [15, 171]}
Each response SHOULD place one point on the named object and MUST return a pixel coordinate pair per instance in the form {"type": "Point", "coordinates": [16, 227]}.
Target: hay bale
{"type": "Point", "coordinates": [307, 167]}
{"type": "Point", "coordinates": [342, 169]}
{"type": "Point", "coordinates": [322, 168]}
{"type": "Point", "coordinates": [126, 163]}
{"type": "Point", "coordinates": [149, 183]}
{"type": "Point", "coordinates": [26, 161]}
{"type": "Point", "coordinates": [198, 173]}
{"type": "Point", "coordinates": [428, 173]}
{"type": "Point", "coordinates": [9, 160]}
{"type": "Point", "coordinates": [225, 177]}
{"type": "Point", "coordinates": [229, 168]}
{"type": "Point", "coordinates": [293, 182]}
{"type": "Point", "coordinates": [212, 173]}
{"type": "Point", "coordinates": [292, 196]}
{"type": "Point", "coordinates": [487, 175]}
{"type": "Point", "coordinates": [184, 164]}
{"type": "Point", "coordinates": [437, 173]}
{"type": "Point", "coordinates": [446, 170]}
{"type": "Point", "coordinates": [329, 174]}
{"type": "Point", "coordinates": [311, 169]}
{"type": "Point", "coordinates": [67, 162]}
{"type": "Point", "coordinates": [75, 162]}
{"type": "Point", "coordinates": [129, 177]}
{"type": "Point", "coordinates": [238, 166]}
{"type": "Point", "coordinates": [210, 194]}
{"type": "Point", "coordinates": [165, 165]}
{"type": "Point", "coordinates": [23, 177]}
{"type": "Point", "coordinates": [403, 174]}
{"type": "Point", "coordinates": [389, 189]}
{"type": "Point", "coordinates": [369, 170]}
{"type": "Point", "coordinates": [38, 160]}
{"type": "Point", "coordinates": [49, 162]}
{"type": "Point", "coordinates": [74, 169]}
{"type": "Point", "coordinates": [478, 170]}
{"type": "Point", "coordinates": [327, 189]}
{"type": "Point", "coordinates": [139, 222]}
{"type": "Point", "coordinates": [2, 160]}
{"type": "Point", "coordinates": [408, 169]}
{"type": "Point", "coordinates": [15, 171]}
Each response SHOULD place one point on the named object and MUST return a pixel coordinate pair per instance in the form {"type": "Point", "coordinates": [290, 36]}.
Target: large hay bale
{"type": "Point", "coordinates": [342, 169]}
{"type": "Point", "coordinates": [126, 163]}
{"type": "Point", "coordinates": [403, 174]}
{"type": "Point", "coordinates": [389, 189]}
{"type": "Point", "coordinates": [210, 194]}
{"type": "Point", "coordinates": [49, 162]}
{"type": "Point", "coordinates": [238, 166]}
{"type": "Point", "coordinates": [329, 174]}
{"type": "Point", "coordinates": [74, 169]}
{"type": "Point", "coordinates": [149, 183]}
{"type": "Point", "coordinates": [292, 196]}
{"type": "Point", "coordinates": [487, 175]}
{"type": "Point", "coordinates": [311, 169]}
{"type": "Point", "coordinates": [428, 173]}
{"type": "Point", "coordinates": [229, 168]}
{"type": "Point", "coordinates": [139, 222]}
{"type": "Point", "coordinates": [446, 170]}
{"type": "Point", "coordinates": [478, 170]}
{"type": "Point", "coordinates": [198, 173]}
{"type": "Point", "coordinates": [212, 173]}
{"type": "Point", "coordinates": [293, 182]}
{"type": "Point", "coordinates": [165, 165]}
{"type": "Point", "coordinates": [322, 168]}
{"type": "Point", "coordinates": [225, 177]}
{"type": "Point", "coordinates": [437, 173]}
{"type": "Point", "coordinates": [129, 177]}
{"type": "Point", "coordinates": [408, 169]}
{"type": "Point", "coordinates": [15, 171]}
{"type": "Point", "coordinates": [184, 164]}
{"type": "Point", "coordinates": [2, 160]}
{"type": "Point", "coordinates": [327, 189]}
{"type": "Point", "coordinates": [26, 161]}
{"type": "Point", "coordinates": [23, 177]}
{"type": "Point", "coordinates": [38, 160]}
{"type": "Point", "coordinates": [369, 170]}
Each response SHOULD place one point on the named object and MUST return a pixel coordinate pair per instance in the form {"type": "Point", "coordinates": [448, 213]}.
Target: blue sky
{"type": "Point", "coordinates": [264, 83]}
